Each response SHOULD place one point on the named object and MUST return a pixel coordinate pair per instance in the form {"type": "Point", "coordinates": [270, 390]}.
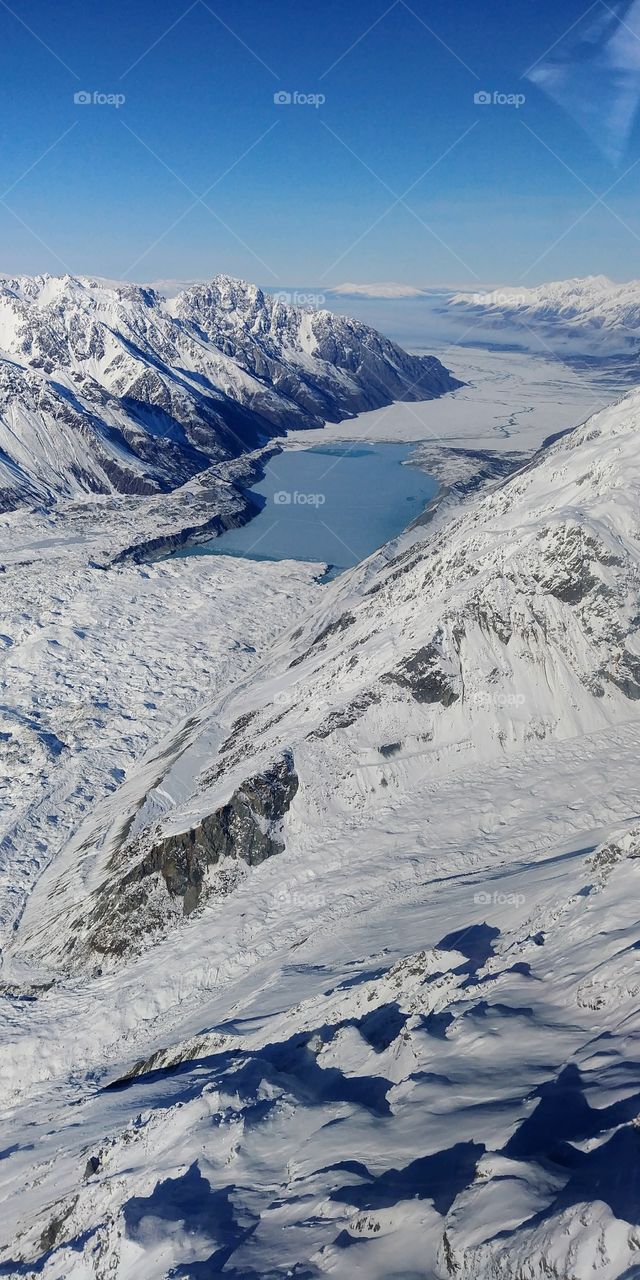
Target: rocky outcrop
{"type": "Point", "coordinates": [247, 828]}
{"type": "Point", "coordinates": [154, 880]}
{"type": "Point", "coordinates": [423, 675]}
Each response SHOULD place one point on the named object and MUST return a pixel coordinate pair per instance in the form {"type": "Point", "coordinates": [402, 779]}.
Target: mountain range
{"type": "Point", "coordinates": [590, 315]}
{"type": "Point", "coordinates": [107, 387]}
{"type": "Point", "coordinates": [517, 625]}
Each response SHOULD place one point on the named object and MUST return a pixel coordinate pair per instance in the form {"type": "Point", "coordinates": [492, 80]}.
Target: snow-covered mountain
{"type": "Point", "coordinates": [592, 315]}
{"type": "Point", "coordinates": [112, 387]}
{"type": "Point", "coordinates": [513, 622]}
{"type": "Point", "coordinates": [343, 978]}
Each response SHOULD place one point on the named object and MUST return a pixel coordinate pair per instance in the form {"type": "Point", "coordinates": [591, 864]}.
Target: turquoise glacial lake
{"type": "Point", "coordinates": [333, 503]}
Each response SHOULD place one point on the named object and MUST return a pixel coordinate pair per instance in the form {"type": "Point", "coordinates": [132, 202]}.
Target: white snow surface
{"type": "Point", "coordinates": [510, 402]}
{"type": "Point", "coordinates": [406, 1044]}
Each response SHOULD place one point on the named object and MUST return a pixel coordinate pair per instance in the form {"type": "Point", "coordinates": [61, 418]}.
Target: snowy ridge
{"type": "Point", "coordinates": [111, 387]}
{"type": "Point", "coordinates": [596, 315]}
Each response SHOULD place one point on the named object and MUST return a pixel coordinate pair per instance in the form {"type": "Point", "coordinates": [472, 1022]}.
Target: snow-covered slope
{"type": "Point", "coordinates": [343, 978]}
{"type": "Point", "coordinates": [511, 623]}
{"type": "Point", "coordinates": [592, 315]}
{"type": "Point", "coordinates": [113, 387]}
{"type": "Point", "coordinates": [403, 1066]}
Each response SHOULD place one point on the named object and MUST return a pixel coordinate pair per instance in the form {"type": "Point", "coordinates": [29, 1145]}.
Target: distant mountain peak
{"type": "Point", "coordinates": [593, 314]}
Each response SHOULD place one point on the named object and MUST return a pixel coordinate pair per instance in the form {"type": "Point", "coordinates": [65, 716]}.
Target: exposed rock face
{"type": "Point", "coordinates": [247, 828]}
{"type": "Point", "coordinates": [152, 881]}
{"type": "Point", "coordinates": [346, 716]}
{"type": "Point", "coordinates": [626, 675]}
{"type": "Point", "coordinates": [113, 388]}
{"type": "Point", "coordinates": [423, 675]}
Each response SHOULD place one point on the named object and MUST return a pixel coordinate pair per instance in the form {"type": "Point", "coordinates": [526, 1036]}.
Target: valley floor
{"type": "Point", "coordinates": [511, 401]}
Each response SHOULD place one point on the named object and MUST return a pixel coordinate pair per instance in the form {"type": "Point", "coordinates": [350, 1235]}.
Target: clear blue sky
{"type": "Point", "coordinates": [303, 193]}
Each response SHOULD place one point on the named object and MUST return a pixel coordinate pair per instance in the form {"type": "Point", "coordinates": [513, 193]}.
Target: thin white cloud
{"type": "Point", "coordinates": [593, 73]}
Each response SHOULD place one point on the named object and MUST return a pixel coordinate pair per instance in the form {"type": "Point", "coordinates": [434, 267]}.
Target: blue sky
{"type": "Point", "coordinates": [299, 193]}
